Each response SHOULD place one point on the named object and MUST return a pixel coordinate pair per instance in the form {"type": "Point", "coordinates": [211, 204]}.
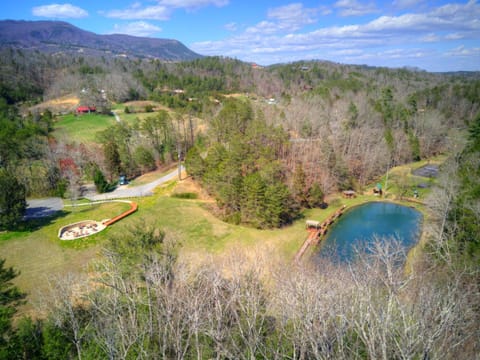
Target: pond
{"type": "Point", "coordinates": [360, 226]}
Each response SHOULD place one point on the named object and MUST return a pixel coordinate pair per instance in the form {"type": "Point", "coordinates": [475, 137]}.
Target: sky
{"type": "Point", "coordinates": [438, 35]}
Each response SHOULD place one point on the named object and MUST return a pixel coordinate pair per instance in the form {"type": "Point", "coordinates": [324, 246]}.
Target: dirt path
{"type": "Point", "coordinates": [116, 116]}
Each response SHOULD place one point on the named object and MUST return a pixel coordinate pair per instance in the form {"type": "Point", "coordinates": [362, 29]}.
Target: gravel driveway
{"type": "Point", "coordinates": [38, 208]}
{"type": "Point", "coordinates": [137, 191]}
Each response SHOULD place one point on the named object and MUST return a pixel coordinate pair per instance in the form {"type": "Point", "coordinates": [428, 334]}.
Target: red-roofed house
{"type": "Point", "coordinates": [86, 109]}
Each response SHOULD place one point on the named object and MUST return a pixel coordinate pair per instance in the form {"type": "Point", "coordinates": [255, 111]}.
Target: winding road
{"type": "Point", "coordinates": [136, 191]}
{"type": "Point", "coordinates": [38, 208]}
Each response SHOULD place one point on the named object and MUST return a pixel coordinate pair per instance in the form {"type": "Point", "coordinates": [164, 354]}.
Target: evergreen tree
{"type": "Point", "coordinates": [12, 200]}
{"type": "Point", "coordinates": [414, 146]}
{"type": "Point", "coordinates": [279, 209]}
{"type": "Point", "coordinates": [27, 341]}
{"type": "Point", "coordinates": [56, 345]}
{"type": "Point", "coordinates": [100, 182]}
{"type": "Point", "coordinates": [253, 200]}
{"type": "Point", "coordinates": [315, 196]}
{"type": "Point", "coordinates": [194, 163]}
{"type": "Point", "coordinates": [112, 159]}
{"type": "Point", "coordinates": [10, 298]}
{"type": "Point", "coordinates": [463, 216]}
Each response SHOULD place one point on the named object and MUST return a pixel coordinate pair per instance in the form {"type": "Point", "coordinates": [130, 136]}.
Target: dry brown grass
{"type": "Point", "coordinates": [62, 104]}
{"type": "Point", "coordinates": [188, 185]}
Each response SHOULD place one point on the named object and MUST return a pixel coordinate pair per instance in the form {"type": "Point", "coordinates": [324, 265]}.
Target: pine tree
{"type": "Point", "coordinates": [99, 180]}
{"type": "Point", "coordinates": [253, 200]}
{"type": "Point", "coordinates": [279, 209]}
{"type": "Point", "coordinates": [315, 196]}
{"type": "Point", "coordinates": [10, 298]}
{"type": "Point", "coordinates": [12, 200]}
{"type": "Point", "coordinates": [112, 159]}
{"type": "Point", "coordinates": [194, 163]}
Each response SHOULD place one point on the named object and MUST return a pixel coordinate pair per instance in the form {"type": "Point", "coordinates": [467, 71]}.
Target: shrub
{"type": "Point", "coordinates": [185, 195]}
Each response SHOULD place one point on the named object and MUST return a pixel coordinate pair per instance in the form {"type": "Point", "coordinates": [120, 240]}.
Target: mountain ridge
{"type": "Point", "coordinates": [60, 36]}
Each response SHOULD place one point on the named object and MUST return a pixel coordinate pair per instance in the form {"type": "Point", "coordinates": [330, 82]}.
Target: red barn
{"type": "Point", "coordinates": [86, 109]}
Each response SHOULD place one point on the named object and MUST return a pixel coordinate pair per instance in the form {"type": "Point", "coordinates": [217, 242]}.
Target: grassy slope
{"type": "Point", "coordinates": [38, 253]}
{"type": "Point", "coordinates": [82, 128]}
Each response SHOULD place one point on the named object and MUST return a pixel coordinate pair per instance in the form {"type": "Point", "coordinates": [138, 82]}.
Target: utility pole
{"type": "Point", "coordinates": [179, 150]}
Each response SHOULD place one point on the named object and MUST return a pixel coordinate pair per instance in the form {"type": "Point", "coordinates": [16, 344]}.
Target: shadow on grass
{"type": "Point", "coordinates": [35, 223]}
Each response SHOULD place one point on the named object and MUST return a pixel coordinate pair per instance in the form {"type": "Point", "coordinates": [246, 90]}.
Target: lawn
{"type": "Point", "coordinates": [38, 253]}
{"type": "Point", "coordinates": [401, 180]}
{"type": "Point", "coordinates": [82, 128]}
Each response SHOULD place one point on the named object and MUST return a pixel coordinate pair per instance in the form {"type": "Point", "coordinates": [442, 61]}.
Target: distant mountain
{"type": "Point", "coordinates": [58, 36]}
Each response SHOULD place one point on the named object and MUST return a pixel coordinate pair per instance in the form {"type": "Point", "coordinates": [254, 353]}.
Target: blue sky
{"type": "Point", "coordinates": [434, 35]}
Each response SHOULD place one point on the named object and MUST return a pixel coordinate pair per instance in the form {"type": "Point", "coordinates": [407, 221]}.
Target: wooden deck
{"type": "Point", "coordinates": [316, 234]}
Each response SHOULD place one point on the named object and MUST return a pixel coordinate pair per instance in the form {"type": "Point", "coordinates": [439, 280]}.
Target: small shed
{"type": "Point", "coordinates": [349, 194]}
{"type": "Point", "coordinates": [312, 224]}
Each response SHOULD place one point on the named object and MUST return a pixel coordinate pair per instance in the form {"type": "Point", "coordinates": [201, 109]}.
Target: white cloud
{"type": "Point", "coordinates": [454, 36]}
{"type": "Point", "coordinates": [193, 4]}
{"type": "Point", "coordinates": [60, 11]}
{"type": "Point", "coordinates": [324, 10]}
{"type": "Point", "coordinates": [137, 28]}
{"type": "Point", "coordinates": [268, 42]}
{"type": "Point", "coordinates": [286, 18]}
{"type": "Point", "coordinates": [404, 4]}
{"type": "Point", "coordinates": [462, 51]}
{"type": "Point", "coordinates": [231, 26]}
{"type": "Point", "coordinates": [354, 8]}
{"type": "Point", "coordinates": [293, 16]}
{"type": "Point", "coordinates": [162, 10]}
{"type": "Point", "coordinates": [157, 12]}
{"type": "Point", "coordinates": [432, 37]}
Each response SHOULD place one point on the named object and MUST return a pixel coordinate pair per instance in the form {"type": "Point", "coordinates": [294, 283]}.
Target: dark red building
{"type": "Point", "coordinates": [86, 109]}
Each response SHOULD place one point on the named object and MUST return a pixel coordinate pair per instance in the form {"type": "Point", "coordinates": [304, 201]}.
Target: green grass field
{"type": "Point", "coordinates": [401, 179]}
{"type": "Point", "coordinates": [38, 253]}
{"type": "Point", "coordinates": [82, 128]}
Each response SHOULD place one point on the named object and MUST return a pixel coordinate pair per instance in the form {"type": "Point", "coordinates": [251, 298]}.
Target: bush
{"type": "Point", "coordinates": [101, 183]}
{"type": "Point", "coordinates": [185, 195]}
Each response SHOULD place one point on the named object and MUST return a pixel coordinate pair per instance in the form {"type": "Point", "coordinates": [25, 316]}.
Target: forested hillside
{"type": "Point", "coordinates": [309, 127]}
{"type": "Point", "coordinates": [265, 143]}
{"type": "Point", "coordinates": [57, 37]}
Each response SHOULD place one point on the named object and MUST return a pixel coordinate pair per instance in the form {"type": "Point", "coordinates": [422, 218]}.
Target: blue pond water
{"type": "Point", "coordinates": [360, 225]}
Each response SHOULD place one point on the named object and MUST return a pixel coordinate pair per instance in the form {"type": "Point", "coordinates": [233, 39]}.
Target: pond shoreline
{"type": "Point", "coordinates": [412, 249]}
